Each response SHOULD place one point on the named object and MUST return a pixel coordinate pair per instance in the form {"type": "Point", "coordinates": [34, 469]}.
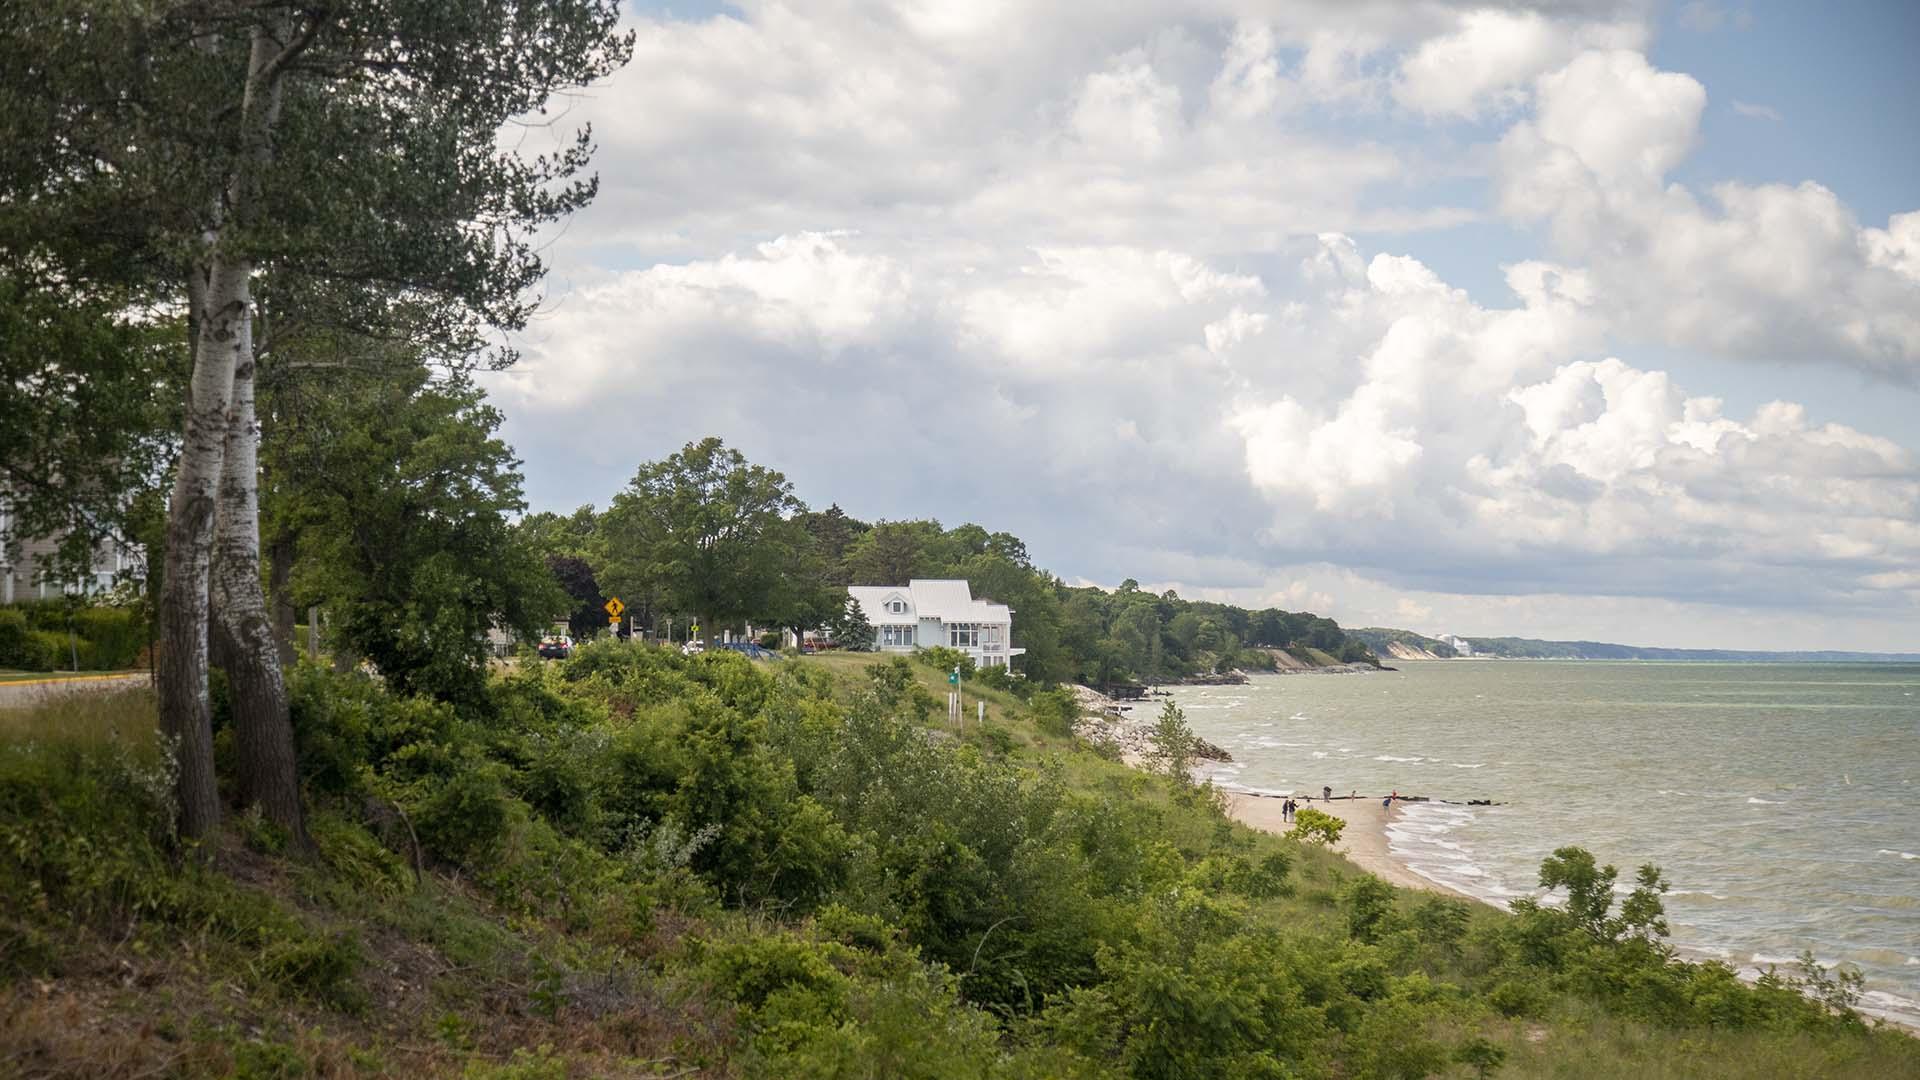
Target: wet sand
{"type": "Point", "coordinates": [1363, 842]}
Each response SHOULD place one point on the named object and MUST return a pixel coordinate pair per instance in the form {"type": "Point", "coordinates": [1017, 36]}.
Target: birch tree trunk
{"type": "Point", "coordinates": [220, 303]}
{"type": "Point", "coordinates": [244, 642]}
{"type": "Point", "coordinates": [220, 292]}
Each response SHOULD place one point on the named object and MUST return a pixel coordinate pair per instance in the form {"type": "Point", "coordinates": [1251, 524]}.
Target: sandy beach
{"type": "Point", "coordinates": [1364, 841]}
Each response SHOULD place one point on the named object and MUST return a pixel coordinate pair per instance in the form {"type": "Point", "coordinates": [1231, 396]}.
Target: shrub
{"type": "Point", "coordinates": [464, 820]}
{"type": "Point", "coordinates": [1316, 827]}
{"type": "Point", "coordinates": [1369, 904]}
{"type": "Point", "coordinates": [1054, 710]}
{"type": "Point", "coordinates": [318, 968]}
{"type": "Point", "coordinates": [944, 659]}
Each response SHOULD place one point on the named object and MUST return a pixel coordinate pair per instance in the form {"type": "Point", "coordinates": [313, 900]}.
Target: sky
{"type": "Point", "coordinates": [1585, 319]}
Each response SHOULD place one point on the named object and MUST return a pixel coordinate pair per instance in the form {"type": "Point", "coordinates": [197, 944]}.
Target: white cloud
{"type": "Point", "coordinates": [1768, 271]}
{"type": "Point", "coordinates": [1757, 112]}
{"type": "Point", "coordinates": [1488, 61]}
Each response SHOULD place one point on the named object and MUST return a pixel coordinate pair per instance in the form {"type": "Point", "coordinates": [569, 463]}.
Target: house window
{"type": "Point", "coordinates": [990, 636]}
{"type": "Point", "coordinates": [963, 635]}
{"type": "Point", "coordinates": [898, 607]}
{"type": "Point", "coordinates": [899, 636]}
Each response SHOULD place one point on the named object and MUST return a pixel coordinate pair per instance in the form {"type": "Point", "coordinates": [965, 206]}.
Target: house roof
{"type": "Point", "coordinates": [948, 599]}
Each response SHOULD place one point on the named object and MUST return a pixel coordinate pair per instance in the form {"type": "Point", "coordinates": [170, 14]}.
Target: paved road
{"type": "Point", "coordinates": [34, 691]}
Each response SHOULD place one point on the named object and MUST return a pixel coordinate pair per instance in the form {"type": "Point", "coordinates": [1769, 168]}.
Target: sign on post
{"type": "Point", "coordinates": [953, 677]}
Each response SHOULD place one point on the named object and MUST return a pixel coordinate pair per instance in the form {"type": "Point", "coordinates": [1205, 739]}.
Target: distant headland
{"type": "Point", "coordinates": [1390, 644]}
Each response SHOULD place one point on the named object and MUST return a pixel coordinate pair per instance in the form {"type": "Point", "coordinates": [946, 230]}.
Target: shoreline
{"type": "Point", "coordinates": [1363, 842]}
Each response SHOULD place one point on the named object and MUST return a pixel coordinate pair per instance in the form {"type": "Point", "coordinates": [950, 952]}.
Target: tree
{"type": "Point", "coordinates": [403, 492]}
{"type": "Point", "coordinates": [896, 552]}
{"type": "Point", "coordinates": [178, 148]}
{"type": "Point", "coordinates": [713, 533]}
{"type": "Point", "coordinates": [1590, 896]}
{"type": "Point", "coordinates": [853, 632]}
{"type": "Point", "coordinates": [574, 575]}
{"type": "Point", "coordinates": [1173, 745]}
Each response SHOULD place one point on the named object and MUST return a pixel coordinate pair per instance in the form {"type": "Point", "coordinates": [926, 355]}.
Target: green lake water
{"type": "Point", "coordinates": [1779, 799]}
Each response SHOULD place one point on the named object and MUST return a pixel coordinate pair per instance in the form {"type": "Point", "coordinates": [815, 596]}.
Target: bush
{"type": "Point", "coordinates": [943, 659]}
{"type": "Point", "coordinates": [465, 819]}
{"type": "Point", "coordinates": [1054, 710]}
{"type": "Point", "coordinates": [48, 635]}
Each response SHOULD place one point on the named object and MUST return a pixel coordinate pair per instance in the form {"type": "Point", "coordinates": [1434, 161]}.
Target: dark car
{"type": "Point", "coordinates": [753, 650]}
{"type": "Point", "coordinates": [556, 647]}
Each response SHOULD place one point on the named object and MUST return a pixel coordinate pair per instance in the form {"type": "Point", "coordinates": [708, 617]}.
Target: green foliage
{"type": "Point", "coordinates": [713, 535]}
{"type": "Point", "coordinates": [1369, 904]}
{"type": "Point", "coordinates": [856, 894]}
{"type": "Point", "coordinates": [850, 628]}
{"type": "Point", "coordinates": [1316, 827]}
{"type": "Point", "coordinates": [394, 492]}
{"type": "Point", "coordinates": [1054, 710]}
{"type": "Point", "coordinates": [944, 659]}
{"type": "Point", "coordinates": [1173, 745]}
{"type": "Point", "coordinates": [46, 636]}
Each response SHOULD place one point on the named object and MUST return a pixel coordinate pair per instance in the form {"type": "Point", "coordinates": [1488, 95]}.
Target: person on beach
{"type": "Point", "coordinates": [1286, 810]}
{"type": "Point", "coordinates": [1327, 793]}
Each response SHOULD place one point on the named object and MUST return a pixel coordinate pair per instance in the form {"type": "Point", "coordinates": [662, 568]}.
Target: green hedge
{"type": "Point", "coordinates": [35, 637]}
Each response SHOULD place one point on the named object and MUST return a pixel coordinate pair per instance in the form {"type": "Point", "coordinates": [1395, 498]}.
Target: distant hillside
{"type": "Point", "coordinates": [1388, 644]}
{"type": "Point", "coordinates": [1381, 642]}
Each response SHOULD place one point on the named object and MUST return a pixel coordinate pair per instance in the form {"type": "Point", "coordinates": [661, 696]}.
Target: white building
{"type": "Point", "coordinates": [925, 614]}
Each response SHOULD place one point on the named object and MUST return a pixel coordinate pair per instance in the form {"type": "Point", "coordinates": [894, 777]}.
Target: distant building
{"type": "Point", "coordinates": [925, 614]}
{"type": "Point", "coordinates": [1460, 645]}
{"type": "Point", "coordinates": [23, 560]}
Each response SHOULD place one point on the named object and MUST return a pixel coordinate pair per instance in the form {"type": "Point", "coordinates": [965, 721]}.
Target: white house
{"type": "Point", "coordinates": [925, 614]}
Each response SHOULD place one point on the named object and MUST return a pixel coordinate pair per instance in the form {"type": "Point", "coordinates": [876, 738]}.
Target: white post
{"type": "Point", "coordinates": [981, 719]}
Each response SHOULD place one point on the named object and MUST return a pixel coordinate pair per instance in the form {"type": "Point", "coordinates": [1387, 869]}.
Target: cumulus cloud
{"type": "Point", "coordinates": [1490, 59]}
{"type": "Point", "coordinates": [1774, 271]}
{"type": "Point", "coordinates": [1206, 423]}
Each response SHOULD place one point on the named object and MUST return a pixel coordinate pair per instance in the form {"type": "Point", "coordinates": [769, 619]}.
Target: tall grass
{"type": "Point", "coordinates": [121, 717]}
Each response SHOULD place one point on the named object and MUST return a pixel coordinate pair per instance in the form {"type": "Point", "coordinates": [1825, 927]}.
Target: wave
{"type": "Point", "coordinates": [1902, 854]}
{"type": "Point", "coordinates": [1390, 757]}
{"type": "Point", "coordinates": [1697, 892]}
{"type": "Point", "coordinates": [1758, 801]}
{"type": "Point", "coordinates": [1476, 765]}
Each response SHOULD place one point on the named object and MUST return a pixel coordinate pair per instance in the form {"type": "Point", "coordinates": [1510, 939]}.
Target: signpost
{"type": "Point", "coordinates": [954, 708]}
{"type": "Point", "coordinates": [614, 608]}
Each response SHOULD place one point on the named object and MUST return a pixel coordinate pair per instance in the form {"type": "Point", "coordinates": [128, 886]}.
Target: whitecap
{"type": "Point", "coordinates": [1902, 854]}
{"type": "Point", "coordinates": [1390, 757]}
{"type": "Point", "coordinates": [1319, 753]}
{"type": "Point", "coordinates": [1476, 765]}
{"type": "Point", "coordinates": [1757, 801]}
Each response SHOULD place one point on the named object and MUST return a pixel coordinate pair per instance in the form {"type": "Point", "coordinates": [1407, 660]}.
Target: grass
{"type": "Point", "coordinates": [126, 715]}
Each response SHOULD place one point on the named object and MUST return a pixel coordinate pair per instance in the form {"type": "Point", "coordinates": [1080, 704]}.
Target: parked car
{"type": "Point", "coordinates": [692, 648]}
{"type": "Point", "coordinates": [556, 647]}
{"type": "Point", "coordinates": [754, 650]}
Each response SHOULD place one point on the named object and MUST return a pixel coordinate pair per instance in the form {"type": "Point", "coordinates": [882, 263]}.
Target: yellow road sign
{"type": "Point", "coordinates": [615, 607]}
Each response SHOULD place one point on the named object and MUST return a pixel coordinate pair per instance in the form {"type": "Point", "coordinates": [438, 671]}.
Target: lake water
{"type": "Point", "coordinates": [1779, 799]}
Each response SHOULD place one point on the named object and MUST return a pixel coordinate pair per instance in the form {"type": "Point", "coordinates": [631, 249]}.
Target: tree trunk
{"type": "Point", "coordinates": [219, 304]}
{"type": "Point", "coordinates": [313, 632]}
{"type": "Point", "coordinates": [285, 616]}
{"type": "Point", "coordinates": [244, 642]}
{"type": "Point", "coordinates": [220, 307]}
